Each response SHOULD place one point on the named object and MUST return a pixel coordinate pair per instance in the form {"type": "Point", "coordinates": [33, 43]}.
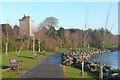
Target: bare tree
{"type": "Point", "coordinates": [51, 22]}
{"type": "Point", "coordinates": [85, 27]}
{"type": "Point", "coordinates": [40, 34]}
{"type": "Point", "coordinates": [103, 45]}
{"type": "Point", "coordinates": [7, 39]}
{"type": "Point", "coordinates": [21, 47]}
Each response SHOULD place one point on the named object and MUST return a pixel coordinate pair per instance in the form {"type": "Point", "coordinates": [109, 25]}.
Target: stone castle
{"type": "Point", "coordinates": [26, 25]}
{"type": "Point", "coordinates": [25, 28]}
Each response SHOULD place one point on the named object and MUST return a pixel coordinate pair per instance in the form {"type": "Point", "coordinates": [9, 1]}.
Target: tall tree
{"type": "Point", "coordinates": [60, 32]}
{"type": "Point", "coordinates": [51, 22]}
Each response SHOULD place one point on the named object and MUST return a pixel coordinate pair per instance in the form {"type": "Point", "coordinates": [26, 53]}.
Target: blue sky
{"type": "Point", "coordinates": [69, 14]}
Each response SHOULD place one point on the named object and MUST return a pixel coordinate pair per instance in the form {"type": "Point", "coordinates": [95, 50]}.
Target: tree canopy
{"type": "Point", "coordinates": [51, 22]}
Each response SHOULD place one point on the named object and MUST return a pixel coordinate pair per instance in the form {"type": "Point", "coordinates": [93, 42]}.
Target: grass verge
{"type": "Point", "coordinates": [86, 48]}
{"type": "Point", "coordinates": [25, 56]}
{"type": "Point", "coordinates": [60, 50]}
{"type": "Point", "coordinates": [71, 72]}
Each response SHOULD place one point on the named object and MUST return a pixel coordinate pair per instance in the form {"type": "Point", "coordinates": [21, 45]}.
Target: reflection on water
{"type": "Point", "coordinates": [110, 59]}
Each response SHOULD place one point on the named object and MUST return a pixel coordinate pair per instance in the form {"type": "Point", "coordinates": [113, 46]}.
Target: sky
{"type": "Point", "coordinates": [69, 14]}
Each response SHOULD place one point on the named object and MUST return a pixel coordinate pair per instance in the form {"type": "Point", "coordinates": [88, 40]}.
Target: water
{"type": "Point", "coordinates": [111, 59]}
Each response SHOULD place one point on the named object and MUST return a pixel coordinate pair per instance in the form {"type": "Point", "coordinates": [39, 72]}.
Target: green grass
{"type": "Point", "coordinates": [71, 72]}
{"type": "Point", "coordinates": [65, 49]}
{"type": "Point", "coordinates": [27, 57]}
{"type": "Point", "coordinates": [86, 48]}
{"type": "Point", "coordinates": [111, 46]}
{"type": "Point", "coordinates": [61, 50]}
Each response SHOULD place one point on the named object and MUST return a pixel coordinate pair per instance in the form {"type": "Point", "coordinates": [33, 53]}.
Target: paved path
{"type": "Point", "coordinates": [49, 68]}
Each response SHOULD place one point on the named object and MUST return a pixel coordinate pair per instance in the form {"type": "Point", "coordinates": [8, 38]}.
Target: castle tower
{"type": "Point", "coordinates": [26, 26]}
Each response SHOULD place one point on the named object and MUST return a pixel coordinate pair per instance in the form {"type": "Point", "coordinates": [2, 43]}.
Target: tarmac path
{"type": "Point", "coordinates": [49, 68]}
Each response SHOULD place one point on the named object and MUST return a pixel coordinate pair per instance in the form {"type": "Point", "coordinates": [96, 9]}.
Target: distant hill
{"type": "Point", "coordinates": [72, 30]}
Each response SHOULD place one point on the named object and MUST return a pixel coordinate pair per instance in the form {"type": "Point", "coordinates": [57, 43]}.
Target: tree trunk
{"type": "Point", "coordinates": [39, 45]}
{"type": "Point", "coordinates": [83, 68]}
{"type": "Point", "coordinates": [33, 45]}
{"type": "Point", "coordinates": [101, 67]}
{"type": "Point", "coordinates": [6, 49]}
{"type": "Point", "coordinates": [28, 46]}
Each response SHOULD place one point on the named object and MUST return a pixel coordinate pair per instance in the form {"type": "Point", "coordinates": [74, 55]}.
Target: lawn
{"type": "Point", "coordinates": [111, 47]}
{"type": "Point", "coordinates": [27, 57]}
{"type": "Point", "coordinates": [86, 48]}
{"type": "Point", "coordinates": [65, 49]}
{"type": "Point", "coordinates": [71, 72]}
{"type": "Point", "coordinates": [60, 50]}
